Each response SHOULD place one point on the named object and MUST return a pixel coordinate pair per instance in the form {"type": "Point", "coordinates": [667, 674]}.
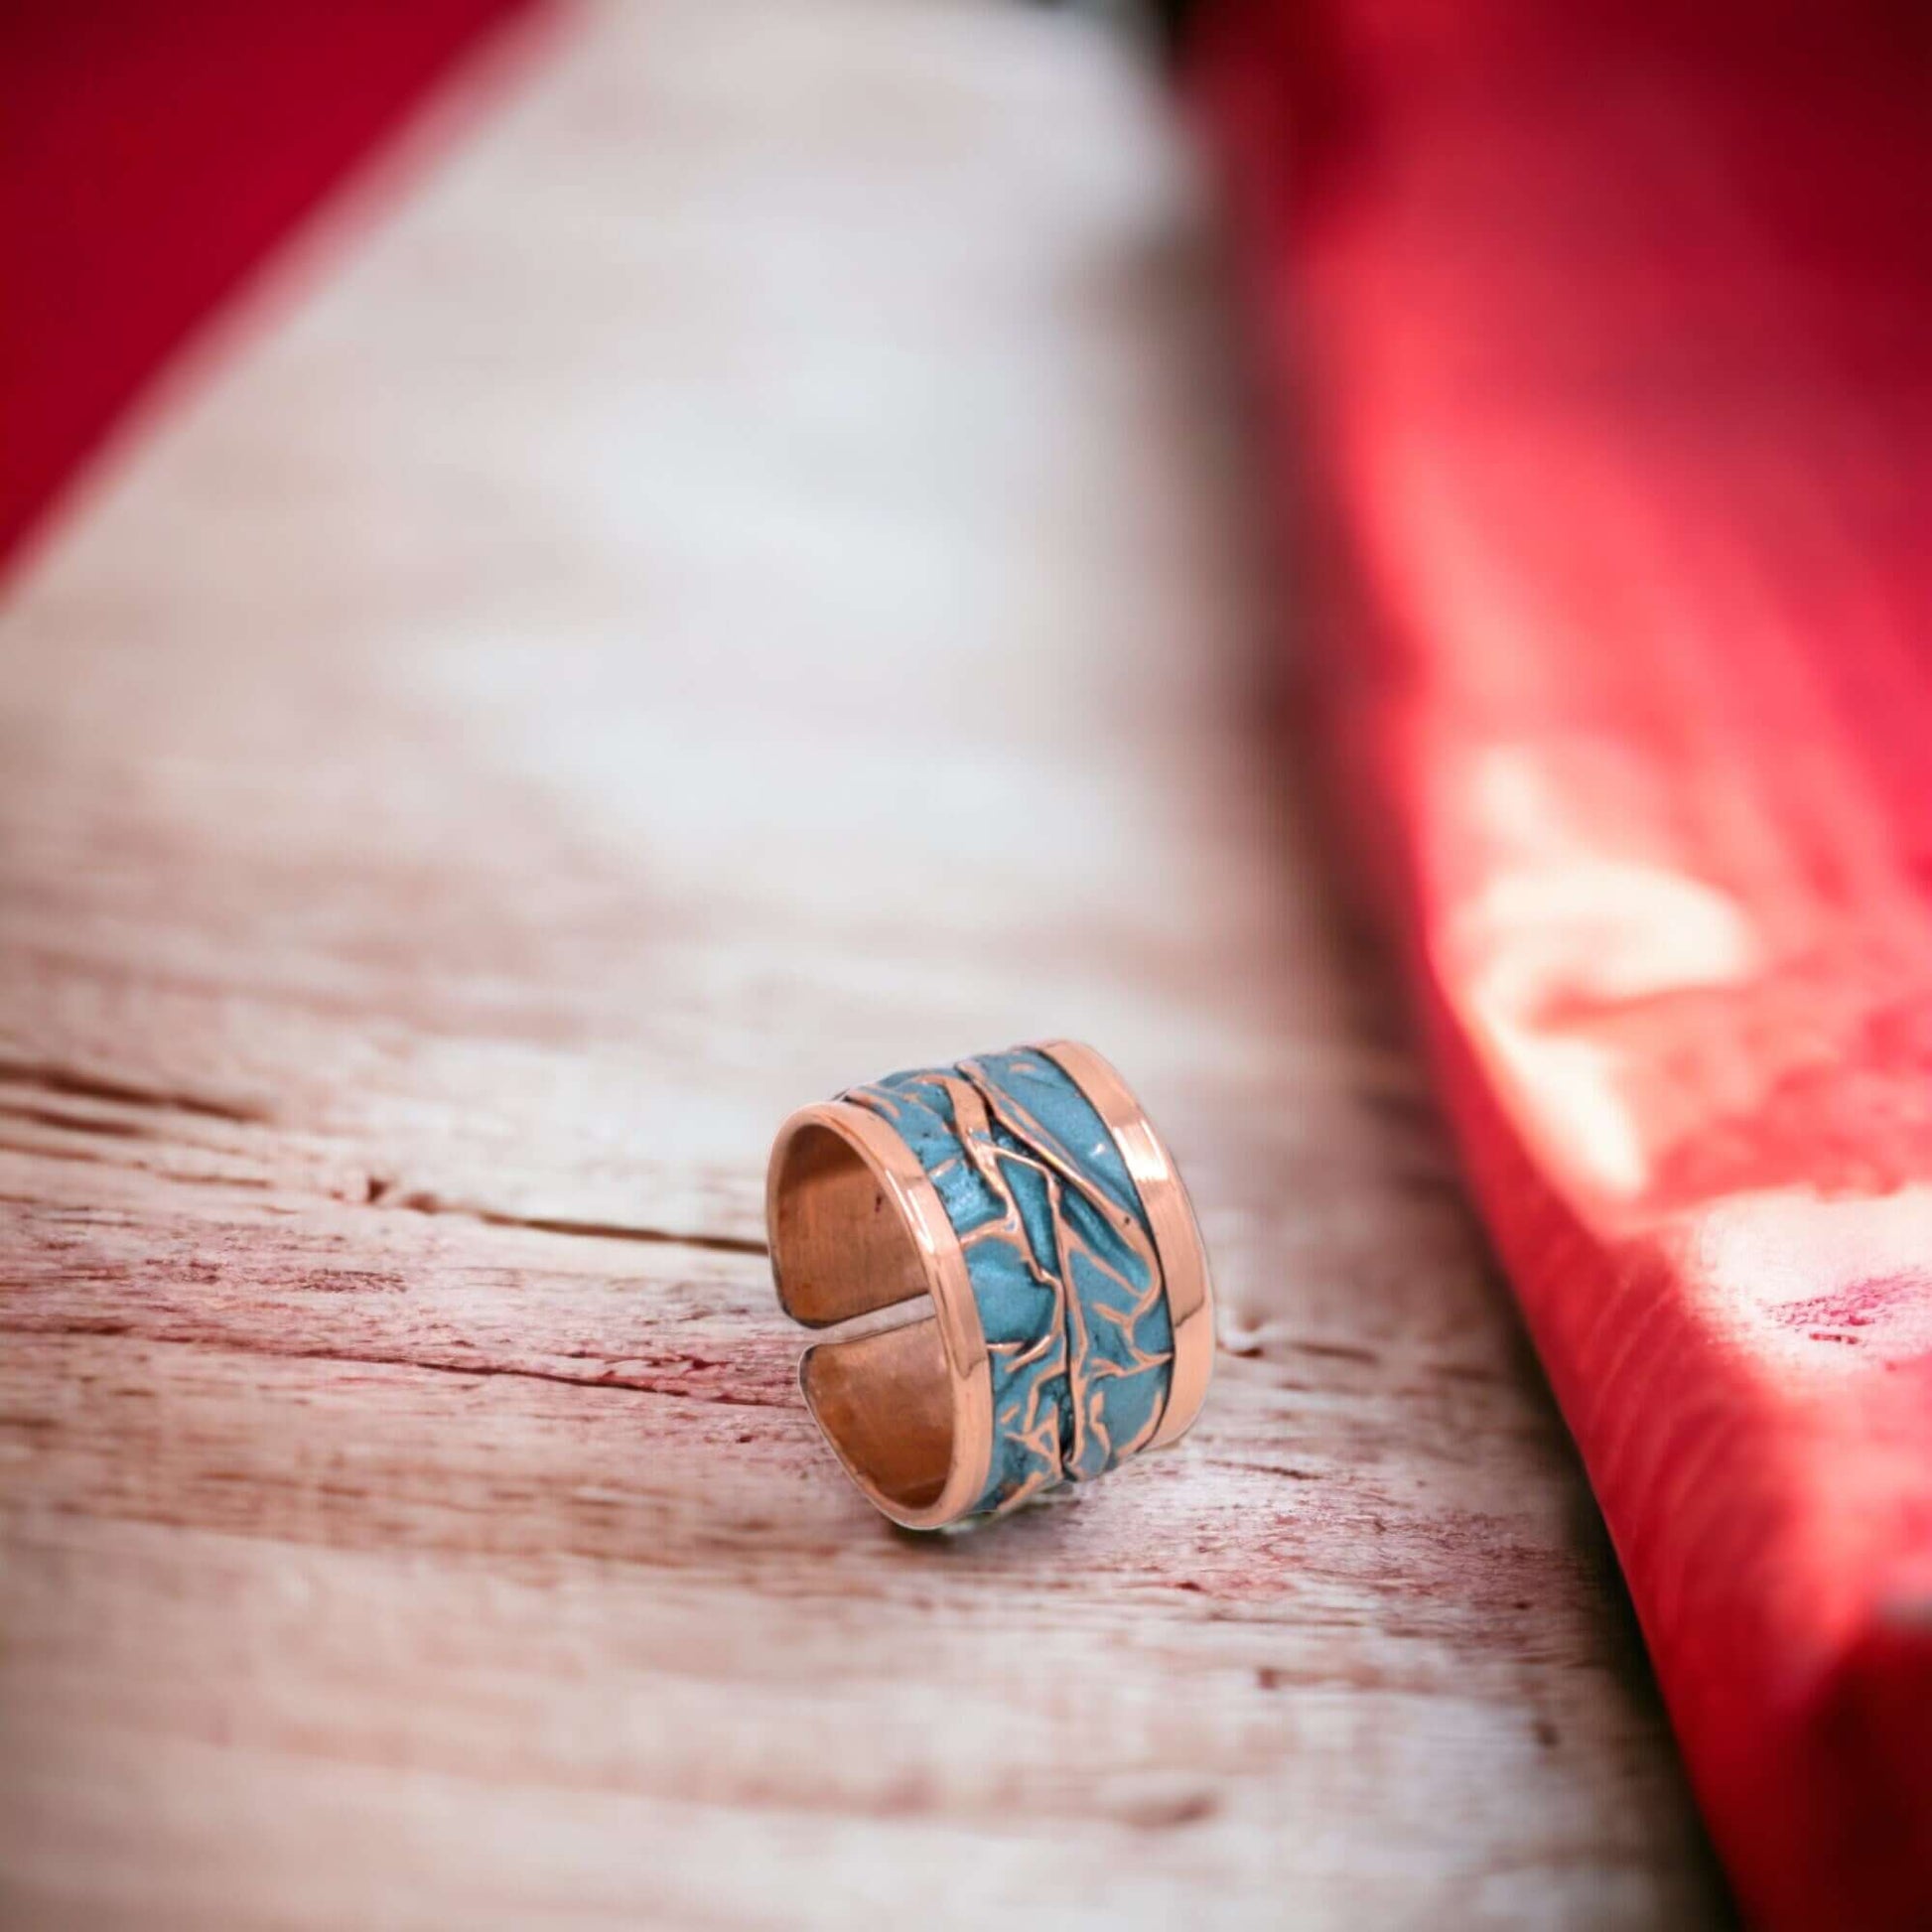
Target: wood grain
{"type": "Point", "coordinates": [732, 581]}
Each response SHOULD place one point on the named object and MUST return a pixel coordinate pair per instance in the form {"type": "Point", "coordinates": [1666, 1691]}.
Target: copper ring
{"type": "Point", "coordinates": [1015, 1272]}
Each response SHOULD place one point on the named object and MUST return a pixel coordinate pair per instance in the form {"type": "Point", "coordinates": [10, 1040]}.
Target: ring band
{"type": "Point", "coordinates": [1051, 1312]}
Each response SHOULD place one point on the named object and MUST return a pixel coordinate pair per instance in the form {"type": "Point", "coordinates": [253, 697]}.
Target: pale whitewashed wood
{"type": "Point", "coordinates": [734, 574]}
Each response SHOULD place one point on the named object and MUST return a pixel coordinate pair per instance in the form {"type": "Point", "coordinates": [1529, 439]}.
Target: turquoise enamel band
{"type": "Point", "coordinates": [1011, 1273]}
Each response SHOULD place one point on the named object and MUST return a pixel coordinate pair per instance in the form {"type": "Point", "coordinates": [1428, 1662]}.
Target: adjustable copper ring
{"type": "Point", "coordinates": [1017, 1270]}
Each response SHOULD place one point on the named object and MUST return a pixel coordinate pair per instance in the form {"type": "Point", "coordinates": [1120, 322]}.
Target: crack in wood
{"type": "Point", "coordinates": [71, 1123]}
{"type": "Point", "coordinates": [422, 1202]}
{"type": "Point", "coordinates": [89, 1156]}
{"type": "Point", "coordinates": [378, 1192]}
{"type": "Point", "coordinates": [52, 1078]}
{"type": "Point", "coordinates": [85, 1329]}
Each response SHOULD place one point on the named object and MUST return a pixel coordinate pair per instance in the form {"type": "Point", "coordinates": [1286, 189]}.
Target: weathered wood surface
{"type": "Point", "coordinates": [733, 583]}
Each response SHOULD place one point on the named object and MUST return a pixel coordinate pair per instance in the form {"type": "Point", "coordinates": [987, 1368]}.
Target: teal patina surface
{"type": "Point", "coordinates": [1061, 1258]}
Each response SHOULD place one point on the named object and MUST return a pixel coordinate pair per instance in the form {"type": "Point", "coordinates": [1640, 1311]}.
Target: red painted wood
{"type": "Point", "coordinates": [150, 154]}
{"type": "Point", "coordinates": [1599, 346]}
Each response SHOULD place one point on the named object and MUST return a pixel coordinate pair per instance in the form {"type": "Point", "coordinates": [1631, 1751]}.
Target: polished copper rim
{"type": "Point", "coordinates": [942, 1280]}
{"type": "Point", "coordinates": [1176, 1234]}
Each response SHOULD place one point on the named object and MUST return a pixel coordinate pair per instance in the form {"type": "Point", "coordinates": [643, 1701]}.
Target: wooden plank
{"type": "Point", "coordinates": [737, 582]}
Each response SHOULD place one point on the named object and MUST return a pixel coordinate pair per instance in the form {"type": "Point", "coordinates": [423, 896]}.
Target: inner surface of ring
{"type": "Point", "coordinates": [841, 1250]}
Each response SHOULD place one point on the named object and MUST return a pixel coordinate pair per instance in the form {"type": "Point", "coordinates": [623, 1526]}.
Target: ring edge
{"type": "Point", "coordinates": [949, 1287]}
{"type": "Point", "coordinates": [1176, 1228]}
